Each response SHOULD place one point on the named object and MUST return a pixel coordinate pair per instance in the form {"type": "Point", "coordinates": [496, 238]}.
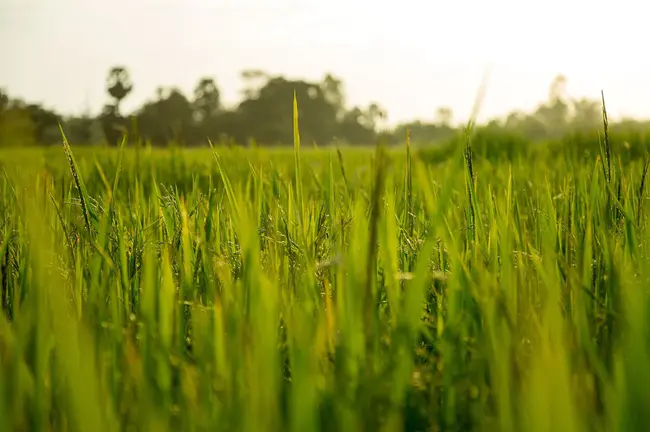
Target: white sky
{"type": "Point", "coordinates": [411, 56]}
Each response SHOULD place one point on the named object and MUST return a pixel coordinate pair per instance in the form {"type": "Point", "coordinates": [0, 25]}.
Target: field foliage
{"type": "Point", "coordinates": [460, 288]}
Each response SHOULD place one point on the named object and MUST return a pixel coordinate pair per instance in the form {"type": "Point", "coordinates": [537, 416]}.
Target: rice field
{"type": "Point", "coordinates": [322, 290]}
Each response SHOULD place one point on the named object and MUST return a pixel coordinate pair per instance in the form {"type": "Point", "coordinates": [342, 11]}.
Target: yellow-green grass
{"type": "Point", "coordinates": [310, 289]}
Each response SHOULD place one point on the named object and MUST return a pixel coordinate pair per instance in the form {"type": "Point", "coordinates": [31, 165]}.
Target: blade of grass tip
{"type": "Point", "coordinates": [608, 153]}
{"type": "Point", "coordinates": [339, 155]}
{"type": "Point", "coordinates": [102, 176]}
{"type": "Point", "coordinates": [87, 211]}
{"type": "Point", "coordinates": [480, 97]}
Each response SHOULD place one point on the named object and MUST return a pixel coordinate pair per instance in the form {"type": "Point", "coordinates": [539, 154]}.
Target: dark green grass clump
{"type": "Point", "coordinates": [337, 292]}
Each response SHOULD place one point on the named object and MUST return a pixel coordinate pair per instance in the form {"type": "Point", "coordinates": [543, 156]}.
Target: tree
{"type": "Point", "coordinates": [168, 118]}
{"type": "Point", "coordinates": [253, 81]}
{"type": "Point", "coordinates": [267, 115]}
{"type": "Point", "coordinates": [161, 93]}
{"type": "Point", "coordinates": [557, 89]}
{"type": "Point", "coordinates": [586, 114]}
{"type": "Point", "coordinates": [554, 114]}
{"type": "Point", "coordinates": [27, 124]}
{"type": "Point", "coordinates": [79, 129]}
{"type": "Point", "coordinates": [4, 100]}
{"type": "Point", "coordinates": [373, 116]}
{"type": "Point", "coordinates": [46, 124]}
{"type": "Point", "coordinates": [422, 132]}
{"type": "Point", "coordinates": [17, 128]}
{"type": "Point", "coordinates": [444, 116]}
{"type": "Point", "coordinates": [119, 85]}
{"type": "Point", "coordinates": [354, 128]}
{"type": "Point", "coordinates": [529, 126]}
{"type": "Point", "coordinates": [332, 89]}
{"type": "Point", "coordinates": [112, 125]}
{"type": "Point", "coordinates": [207, 100]}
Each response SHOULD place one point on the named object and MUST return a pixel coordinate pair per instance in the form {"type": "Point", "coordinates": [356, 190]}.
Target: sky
{"type": "Point", "coordinates": [409, 56]}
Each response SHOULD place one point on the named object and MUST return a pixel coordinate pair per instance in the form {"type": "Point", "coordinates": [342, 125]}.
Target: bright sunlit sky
{"type": "Point", "coordinates": [410, 56]}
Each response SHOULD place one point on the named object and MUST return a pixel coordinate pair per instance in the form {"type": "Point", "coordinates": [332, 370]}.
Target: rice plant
{"type": "Point", "coordinates": [328, 289]}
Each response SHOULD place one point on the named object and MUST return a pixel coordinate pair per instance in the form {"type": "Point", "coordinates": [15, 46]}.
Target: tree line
{"type": "Point", "coordinates": [264, 116]}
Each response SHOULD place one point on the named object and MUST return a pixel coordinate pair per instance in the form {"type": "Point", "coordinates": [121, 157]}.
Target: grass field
{"type": "Point", "coordinates": [257, 290]}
